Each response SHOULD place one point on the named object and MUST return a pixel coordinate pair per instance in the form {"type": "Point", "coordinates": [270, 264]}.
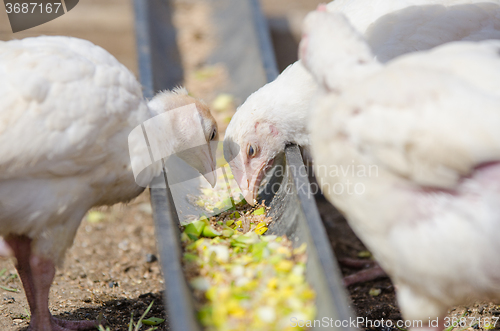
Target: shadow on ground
{"type": "Point", "coordinates": [117, 312]}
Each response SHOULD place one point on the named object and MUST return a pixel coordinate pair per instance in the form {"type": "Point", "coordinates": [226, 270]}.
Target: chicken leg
{"type": "Point", "coordinates": [372, 271]}
{"type": "Point", "coordinates": [37, 274]}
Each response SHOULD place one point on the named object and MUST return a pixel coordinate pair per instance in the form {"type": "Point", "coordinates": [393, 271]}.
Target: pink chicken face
{"type": "Point", "coordinates": [250, 160]}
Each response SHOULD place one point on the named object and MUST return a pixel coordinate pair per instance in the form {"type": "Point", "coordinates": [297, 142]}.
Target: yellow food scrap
{"type": "Point", "coordinates": [260, 211]}
{"type": "Point", "coordinates": [260, 230]}
{"type": "Point", "coordinates": [246, 291]}
{"type": "Point", "coordinates": [95, 216]}
{"type": "Point", "coordinates": [223, 102]}
{"type": "Point", "coordinates": [364, 254]}
{"type": "Point", "coordinates": [261, 224]}
{"type": "Point", "coordinates": [374, 292]}
{"type": "Point", "coordinates": [284, 265]}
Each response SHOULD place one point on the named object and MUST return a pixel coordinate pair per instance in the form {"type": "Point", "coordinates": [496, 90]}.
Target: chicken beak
{"type": "Point", "coordinates": [253, 185]}
{"type": "Point", "coordinates": [247, 188]}
{"type": "Point", "coordinates": [211, 177]}
{"type": "Point", "coordinates": [249, 185]}
{"type": "Point", "coordinates": [202, 159]}
{"type": "Point", "coordinates": [209, 165]}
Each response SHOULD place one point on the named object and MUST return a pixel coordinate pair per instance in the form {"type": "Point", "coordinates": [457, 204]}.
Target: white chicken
{"type": "Point", "coordinates": [277, 113]}
{"type": "Point", "coordinates": [418, 145]}
{"type": "Point", "coordinates": [66, 110]}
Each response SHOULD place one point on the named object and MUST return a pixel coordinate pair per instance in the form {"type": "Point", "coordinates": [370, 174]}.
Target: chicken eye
{"type": "Point", "coordinates": [214, 133]}
{"type": "Point", "coordinates": [251, 151]}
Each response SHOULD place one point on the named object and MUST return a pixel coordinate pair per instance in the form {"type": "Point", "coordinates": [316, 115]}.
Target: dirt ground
{"type": "Point", "coordinates": [112, 269]}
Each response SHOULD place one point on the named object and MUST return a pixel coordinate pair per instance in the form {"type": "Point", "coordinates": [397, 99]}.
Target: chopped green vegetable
{"type": "Point", "coordinates": [260, 211]}
{"type": "Point", "coordinates": [190, 257]}
{"type": "Point", "coordinates": [192, 236]}
{"type": "Point", "coordinates": [250, 282]}
{"type": "Point", "coordinates": [227, 232]}
{"type": "Point", "coordinates": [244, 280]}
{"type": "Point", "coordinates": [205, 220]}
{"type": "Point", "coordinates": [210, 232]}
{"type": "Point", "coordinates": [195, 228]}
{"type": "Point", "coordinates": [185, 237]}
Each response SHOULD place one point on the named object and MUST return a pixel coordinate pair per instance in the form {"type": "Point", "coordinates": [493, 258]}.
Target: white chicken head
{"type": "Point", "coordinates": [185, 123]}
{"type": "Point", "coordinates": [250, 153]}
{"type": "Point", "coordinates": [270, 118]}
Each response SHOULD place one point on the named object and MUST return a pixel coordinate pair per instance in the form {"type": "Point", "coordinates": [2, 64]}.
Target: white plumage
{"type": "Point", "coordinates": [66, 110]}
{"type": "Point", "coordinates": [421, 134]}
{"type": "Point", "coordinates": [391, 28]}
{"type": "Point", "coordinates": [64, 104]}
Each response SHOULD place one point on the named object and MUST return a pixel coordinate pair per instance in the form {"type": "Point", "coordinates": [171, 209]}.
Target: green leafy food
{"type": "Point", "coordinates": [153, 321]}
{"type": "Point", "coordinates": [195, 228]}
{"type": "Point", "coordinates": [210, 232]}
{"type": "Point", "coordinates": [246, 281]}
{"type": "Point", "coordinates": [260, 211]}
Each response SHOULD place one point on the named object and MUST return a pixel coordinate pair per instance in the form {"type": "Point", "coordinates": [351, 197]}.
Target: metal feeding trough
{"type": "Point", "coordinates": [245, 48]}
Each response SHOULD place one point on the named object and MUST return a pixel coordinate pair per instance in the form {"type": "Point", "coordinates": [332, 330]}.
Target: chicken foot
{"type": "Point", "coordinates": [37, 274]}
{"type": "Point", "coordinates": [372, 271]}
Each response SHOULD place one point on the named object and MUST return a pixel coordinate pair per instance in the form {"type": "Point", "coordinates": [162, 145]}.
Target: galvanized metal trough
{"type": "Point", "coordinates": [245, 49]}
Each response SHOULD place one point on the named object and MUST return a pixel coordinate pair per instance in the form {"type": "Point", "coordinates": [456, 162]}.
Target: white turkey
{"type": "Point", "coordinates": [66, 110]}
{"type": "Point", "coordinates": [418, 141]}
{"type": "Point", "coordinates": [277, 113]}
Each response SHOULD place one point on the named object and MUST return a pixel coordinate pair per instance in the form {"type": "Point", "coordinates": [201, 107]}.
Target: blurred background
{"type": "Point", "coordinates": [110, 24]}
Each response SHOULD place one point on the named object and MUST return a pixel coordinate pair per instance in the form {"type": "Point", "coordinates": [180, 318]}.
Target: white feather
{"type": "Point", "coordinates": [427, 122]}
{"type": "Point", "coordinates": [391, 28]}
{"type": "Point", "coordinates": [67, 108]}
